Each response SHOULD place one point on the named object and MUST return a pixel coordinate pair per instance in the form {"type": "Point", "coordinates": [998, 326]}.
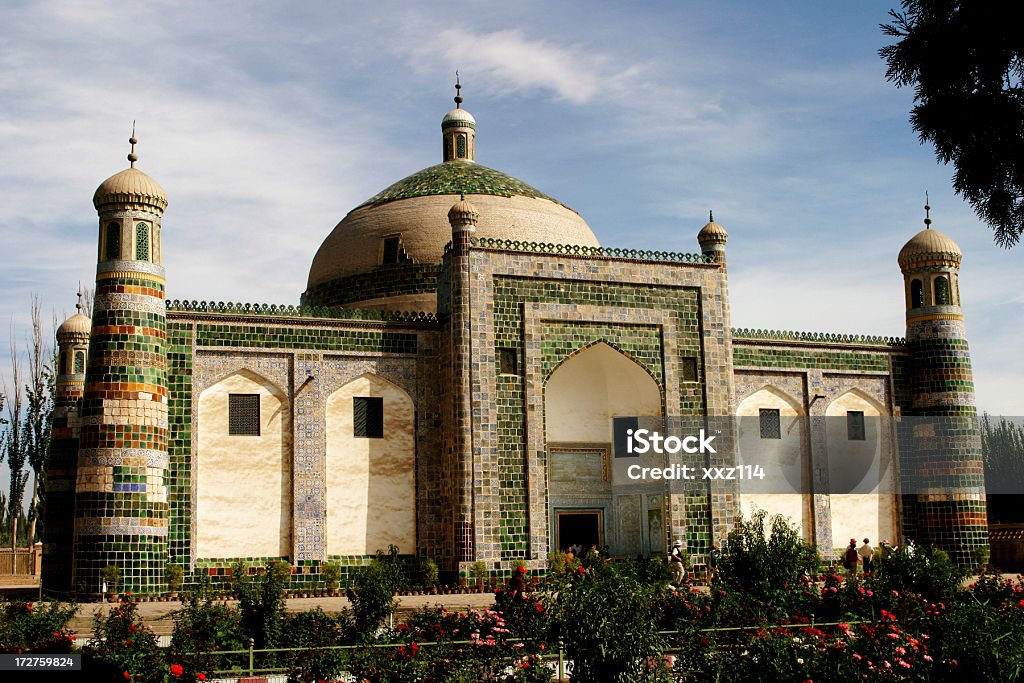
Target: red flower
{"type": "Point", "coordinates": [127, 676]}
{"type": "Point", "coordinates": [28, 606]}
{"type": "Point", "coordinates": [177, 670]}
{"type": "Point", "coordinates": [200, 676]}
{"type": "Point", "coordinates": [540, 608]}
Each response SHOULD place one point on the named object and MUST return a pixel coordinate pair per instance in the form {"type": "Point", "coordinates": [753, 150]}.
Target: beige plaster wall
{"type": "Point", "coordinates": [584, 393]}
{"type": "Point", "coordinates": [243, 483]}
{"type": "Point", "coordinates": [870, 510]}
{"type": "Point", "coordinates": [784, 461]}
{"type": "Point", "coordinates": [371, 483]}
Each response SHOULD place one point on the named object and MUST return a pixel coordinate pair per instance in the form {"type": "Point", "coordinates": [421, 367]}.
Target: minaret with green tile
{"type": "Point", "coordinates": [942, 472]}
{"type": "Point", "coordinates": [121, 515]}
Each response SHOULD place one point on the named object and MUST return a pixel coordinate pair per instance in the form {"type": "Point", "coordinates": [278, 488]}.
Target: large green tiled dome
{"type": "Point", "coordinates": [454, 178]}
{"type": "Point", "coordinates": [385, 252]}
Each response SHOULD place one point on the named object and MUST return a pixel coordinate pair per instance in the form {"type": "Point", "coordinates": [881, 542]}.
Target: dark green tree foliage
{"type": "Point", "coordinates": [608, 622]}
{"type": "Point", "coordinates": [764, 564]}
{"type": "Point", "coordinates": [966, 63]}
{"type": "Point", "coordinates": [1002, 446]}
{"type": "Point", "coordinates": [261, 600]}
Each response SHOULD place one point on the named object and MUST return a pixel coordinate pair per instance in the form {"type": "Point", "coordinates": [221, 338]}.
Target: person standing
{"type": "Point", "coordinates": [867, 556]}
{"type": "Point", "coordinates": [675, 562]}
{"type": "Point", "coordinates": [713, 557]}
{"type": "Point", "coordinates": [852, 559]}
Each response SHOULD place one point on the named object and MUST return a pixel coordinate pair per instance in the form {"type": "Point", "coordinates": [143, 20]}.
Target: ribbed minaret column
{"type": "Point", "coordinates": [121, 497]}
{"type": "Point", "coordinates": [943, 470]}
{"type": "Point", "coordinates": [462, 217]}
{"type": "Point", "coordinates": [62, 462]}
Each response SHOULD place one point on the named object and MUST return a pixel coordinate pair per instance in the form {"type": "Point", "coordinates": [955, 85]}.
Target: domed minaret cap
{"type": "Point", "coordinates": [76, 328]}
{"type": "Point", "coordinates": [463, 215]}
{"type": "Point", "coordinates": [712, 233]}
{"type": "Point", "coordinates": [458, 117]}
{"type": "Point", "coordinates": [929, 245]}
{"type": "Point", "coordinates": [130, 186]}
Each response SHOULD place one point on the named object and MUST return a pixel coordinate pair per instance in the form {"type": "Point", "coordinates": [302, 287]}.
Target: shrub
{"type": "Point", "coordinates": [608, 624]}
{"type": "Point", "coordinates": [261, 600]}
{"type": "Point", "coordinates": [40, 628]}
{"type": "Point", "coordinates": [429, 572]}
{"type": "Point", "coordinates": [203, 626]}
{"type": "Point", "coordinates": [762, 565]}
{"type": "Point", "coordinates": [313, 630]}
{"type": "Point", "coordinates": [175, 574]}
{"type": "Point", "coordinates": [122, 648]}
{"type": "Point", "coordinates": [330, 572]}
{"type": "Point", "coordinates": [373, 595]}
{"type": "Point", "coordinates": [926, 570]}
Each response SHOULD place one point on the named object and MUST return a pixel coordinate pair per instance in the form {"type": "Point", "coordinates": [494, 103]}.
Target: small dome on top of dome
{"type": "Point", "coordinates": [928, 242]}
{"type": "Point", "coordinates": [130, 186]}
{"type": "Point", "coordinates": [458, 117]}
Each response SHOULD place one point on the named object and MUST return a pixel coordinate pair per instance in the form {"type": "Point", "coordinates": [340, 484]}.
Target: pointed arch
{"type": "Point", "coordinates": [603, 340]}
{"type": "Point", "coordinates": [370, 474]}
{"type": "Point", "coordinates": [243, 482]}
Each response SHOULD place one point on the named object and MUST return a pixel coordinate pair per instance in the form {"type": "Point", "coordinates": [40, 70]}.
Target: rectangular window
{"type": "Point", "coordinates": [508, 361]}
{"type": "Point", "coordinates": [855, 425]}
{"type": "Point", "coordinates": [771, 423]}
{"type": "Point", "coordinates": [688, 369]}
{"type": "Point", "coordinates": [244, 414]}
{"type": "Point", "coordinates": [391, 250]}
{"type": "Point", "coordinates": [368, 417]}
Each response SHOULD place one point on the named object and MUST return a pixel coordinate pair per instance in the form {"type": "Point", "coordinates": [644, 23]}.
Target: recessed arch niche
{"type": "Point", "coordinates": [243, 482]}
{"type": "Point", "coordinates": [371, 482]}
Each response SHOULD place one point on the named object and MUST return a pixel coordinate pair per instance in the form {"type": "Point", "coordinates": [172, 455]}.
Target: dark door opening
{"type": "Point", "coordinates": [580, 528]}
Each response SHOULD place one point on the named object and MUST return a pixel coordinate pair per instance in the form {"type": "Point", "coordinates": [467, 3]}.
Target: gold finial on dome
{"type": "Point", "coordinates": [79, 304]}
{"type": "Point", "coordinates": [927, 212]}
{"type": "Point", "coordinates": [132, 157]}
{"type": "Point", "coordinates": [458, 91]}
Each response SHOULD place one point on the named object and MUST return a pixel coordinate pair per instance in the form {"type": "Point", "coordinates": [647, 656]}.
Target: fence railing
{"type": "Point", "coordinates": [20, 562]}
{"type": "Point", "coordinates": [555, 657]}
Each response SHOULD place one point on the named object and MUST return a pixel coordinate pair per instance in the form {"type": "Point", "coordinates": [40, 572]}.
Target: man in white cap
{"type": "Point", "coordinates": [676, 564]}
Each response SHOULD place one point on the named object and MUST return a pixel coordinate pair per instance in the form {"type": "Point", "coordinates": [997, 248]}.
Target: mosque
{"type": "Point", "coordinates": [463, 379]}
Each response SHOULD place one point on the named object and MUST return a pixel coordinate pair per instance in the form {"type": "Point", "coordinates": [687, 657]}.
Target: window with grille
{"type": "Point", "coordinates": [141, 242]}
{"type": "Point", "coordinates": [942, 291]}
{"type": "Point", "coordinates": [244, 414]}
{"type": "Point", "coordinates": [368, 417]}
{"type": "Point", "coordinates": [113, 241]}
{"type": "Point", "coordinates": [771, 423]}
{"type": "Point", "coordinates": [916, 294]}
{"type": "Point", "coordinates": [79, 362]}
{"type": "Point", "coordinates": [855, 425]}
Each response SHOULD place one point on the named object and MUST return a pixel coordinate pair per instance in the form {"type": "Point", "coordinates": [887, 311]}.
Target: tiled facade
{"type": "Point", "coordinates": [510, 315]}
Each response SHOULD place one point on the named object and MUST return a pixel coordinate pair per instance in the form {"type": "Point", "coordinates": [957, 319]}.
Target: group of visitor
{"type": "Point", "coordinates": [864, 556]}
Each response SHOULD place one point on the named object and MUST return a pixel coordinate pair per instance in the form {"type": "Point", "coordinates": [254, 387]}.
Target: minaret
{"type": "Point", "coordinates": [121, 513]}
{"type": "Point", "coordinates": [462, 217]}
{"type": "Point", "coordinates": [458, 131]}
{"type": "Point", "coordinates": [943, 472]}
{"type": "Point", "coordinates": [62, 463]}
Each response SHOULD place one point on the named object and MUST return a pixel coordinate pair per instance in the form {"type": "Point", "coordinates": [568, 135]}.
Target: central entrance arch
{"type": "Point", "coordinates": [590, 497]}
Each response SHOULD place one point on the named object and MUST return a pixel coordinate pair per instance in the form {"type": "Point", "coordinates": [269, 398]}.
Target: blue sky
{"type": "Point", "coordinates": [266, 122]}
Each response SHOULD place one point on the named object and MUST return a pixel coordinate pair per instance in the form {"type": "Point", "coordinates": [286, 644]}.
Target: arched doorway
{"type": "Point", "coordinates": [591, 499]}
